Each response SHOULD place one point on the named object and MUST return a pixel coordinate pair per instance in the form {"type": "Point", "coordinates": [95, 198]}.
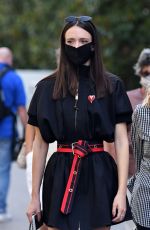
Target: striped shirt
{"type": "Point", "coordinates": [139, 183]}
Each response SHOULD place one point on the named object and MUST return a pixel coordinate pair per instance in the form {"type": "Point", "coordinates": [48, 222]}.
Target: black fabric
{"type": "Point", "coordinates": [96, 120]}
{"type": "Point", "coordinates": [80, 55]}
{"type": "Point", "coordinates": [4, 110]}
{"type": "Point", "coordinates": [139, 227]}
{"type": "Point", "coordinates": [97, 186]}
{"type": "Point", "coordinates": [98, 181]}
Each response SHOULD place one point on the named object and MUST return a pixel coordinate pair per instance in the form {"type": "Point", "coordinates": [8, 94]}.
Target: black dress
{"type": "Point", "coordinates": [97, 185]}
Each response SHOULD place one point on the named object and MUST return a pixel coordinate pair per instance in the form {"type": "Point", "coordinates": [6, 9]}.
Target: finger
{"type": "Point", "coordinates": [114, 210]}
{"type": "Point", "coordinates": [29, 217]}
{"type": "Point", "coordinates": [120, 216]}
{"type": "Point", "coordinates": [117, 216]}
{"type": "Point", "coordinates": [39, 215]}
{"type": "Point", "coordinates": [116, 219]}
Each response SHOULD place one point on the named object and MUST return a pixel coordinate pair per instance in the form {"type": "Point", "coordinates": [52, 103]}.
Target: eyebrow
{"type": "Point", "coordinates": [72, 38]}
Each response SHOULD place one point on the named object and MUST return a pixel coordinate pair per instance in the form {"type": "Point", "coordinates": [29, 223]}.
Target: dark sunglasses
{"type": "Point", "coordinates": [74, 19]}
{"type": "Point", "coordinates": [145, 73]}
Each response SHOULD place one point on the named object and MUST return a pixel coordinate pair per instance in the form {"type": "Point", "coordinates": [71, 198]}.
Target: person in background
{"type": "Point", "coordinates": [80, 106]}
{"type": "Point", "coordinates": [139, 183]}
{"type": "Point", "coordinates": [136, 96]}
{"type": "Point", "coordinates": [29, 141]}
{"type": "Point", "coordinates": [15, 99]}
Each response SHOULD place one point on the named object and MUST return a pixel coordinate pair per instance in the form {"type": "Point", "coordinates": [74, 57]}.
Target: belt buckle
{"type": "Point", "coordinates": [72, 145]}
{"type": "Point", "coordinates": [73, 149]}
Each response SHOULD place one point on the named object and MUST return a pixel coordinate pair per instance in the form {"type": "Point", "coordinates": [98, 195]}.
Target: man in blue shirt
{"type": "Point", "coordinates": [14, 98]}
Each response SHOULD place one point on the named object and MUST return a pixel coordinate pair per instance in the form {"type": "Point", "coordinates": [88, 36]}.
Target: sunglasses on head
{"type": "Point", "coordinates": [74, 19]}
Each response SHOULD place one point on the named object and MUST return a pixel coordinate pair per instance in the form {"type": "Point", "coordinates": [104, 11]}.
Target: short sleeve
{"type": "Point", "coordinates": [43, 110]}
{"type": "Point", "coordinates": [122, 104]}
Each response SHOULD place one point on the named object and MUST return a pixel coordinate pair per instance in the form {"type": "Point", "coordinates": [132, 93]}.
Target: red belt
{"type": "Point", "coordinates": [79, 149]}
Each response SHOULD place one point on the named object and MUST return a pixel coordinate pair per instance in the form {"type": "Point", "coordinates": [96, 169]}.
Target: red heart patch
{"type": "Point", "coordinates": [91, 98]}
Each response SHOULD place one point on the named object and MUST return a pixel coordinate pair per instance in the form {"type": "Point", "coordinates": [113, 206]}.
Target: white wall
{"type": "Point", "coordinates": [30, 79]}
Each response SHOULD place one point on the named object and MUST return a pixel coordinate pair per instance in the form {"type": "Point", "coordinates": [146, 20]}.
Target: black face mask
{"type": "Point", "coordinates": [80, 55]}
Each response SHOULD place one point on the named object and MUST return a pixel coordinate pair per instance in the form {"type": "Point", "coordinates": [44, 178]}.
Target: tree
{"type": "Point", "coordinates": [31, 29]}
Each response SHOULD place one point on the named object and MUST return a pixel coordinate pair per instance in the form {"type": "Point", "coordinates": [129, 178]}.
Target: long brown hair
{"type": "Point", "coordinates": [66, 74]}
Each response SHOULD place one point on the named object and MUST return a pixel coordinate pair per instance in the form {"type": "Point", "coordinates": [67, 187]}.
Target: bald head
{"type": "Point", "coordinates": [6, 56]}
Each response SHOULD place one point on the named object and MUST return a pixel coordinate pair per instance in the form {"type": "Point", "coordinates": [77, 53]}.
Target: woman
{"type": "Point", "coordinates": [80, 106]}
{"type": "Point", "coordinates": [138, 184]}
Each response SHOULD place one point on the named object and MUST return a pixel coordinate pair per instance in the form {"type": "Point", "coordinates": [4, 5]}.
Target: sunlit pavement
{"type": "Point", "coordinates": [17, 201]}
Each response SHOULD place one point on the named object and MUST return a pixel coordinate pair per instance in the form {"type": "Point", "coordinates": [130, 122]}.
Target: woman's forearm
{"type": "Point", "coordinates": [122, 151]}
{"type": "Point", "coordinates": [40, 149]}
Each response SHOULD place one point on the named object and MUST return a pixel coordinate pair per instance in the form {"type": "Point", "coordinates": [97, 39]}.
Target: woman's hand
{"type": "Point", "coordinates": [34, 208]}
{"type": "Point", "coordinates": [119, 207]}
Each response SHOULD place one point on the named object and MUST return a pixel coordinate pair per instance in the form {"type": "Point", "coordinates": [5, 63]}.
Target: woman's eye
{"type": "Point", "coordinates": [69, 42]}
{"type": "Point", "coordinates": [84, 41]}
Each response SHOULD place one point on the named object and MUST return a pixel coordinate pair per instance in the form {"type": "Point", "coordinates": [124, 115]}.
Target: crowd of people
{"type": "Point", "coordinates": [101, 130]}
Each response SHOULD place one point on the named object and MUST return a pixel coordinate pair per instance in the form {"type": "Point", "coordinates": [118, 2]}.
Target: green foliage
{"type": "Point", "coordinates": [125, 33]}
{"type": "Point", "coordinates": [32, 28]}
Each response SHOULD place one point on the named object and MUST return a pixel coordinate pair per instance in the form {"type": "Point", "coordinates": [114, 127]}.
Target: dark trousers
{"type": "Point", "coordinates": [139, 227]}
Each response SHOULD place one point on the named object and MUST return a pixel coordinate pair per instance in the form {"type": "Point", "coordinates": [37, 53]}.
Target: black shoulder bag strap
{"type": "Point", "coordinates": [3, 72]}
{"type": "Point", "coordinates": [4, 109]}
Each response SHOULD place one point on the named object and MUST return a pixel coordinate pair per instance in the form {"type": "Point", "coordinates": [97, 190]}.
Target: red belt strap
{"type": "Point", "coordinates": [79, 149]}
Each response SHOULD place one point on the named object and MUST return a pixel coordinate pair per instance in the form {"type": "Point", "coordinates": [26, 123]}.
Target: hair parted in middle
{"type": "Point", "coordinates": [66, 74]}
